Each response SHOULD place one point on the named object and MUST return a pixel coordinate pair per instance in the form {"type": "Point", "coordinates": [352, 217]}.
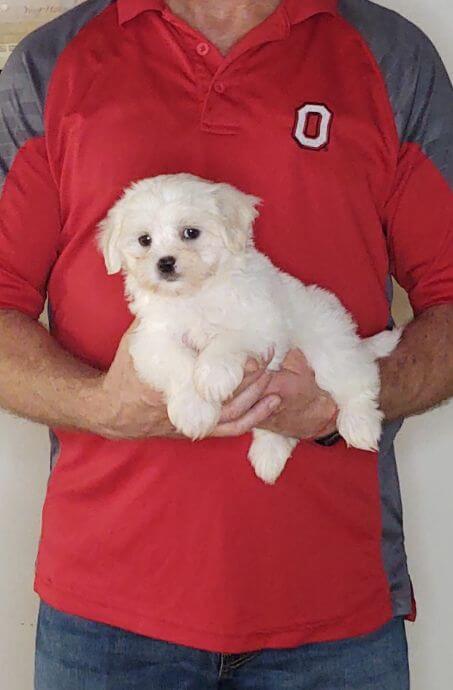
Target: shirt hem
{"type": "Point", "coordinates": [361, 622]}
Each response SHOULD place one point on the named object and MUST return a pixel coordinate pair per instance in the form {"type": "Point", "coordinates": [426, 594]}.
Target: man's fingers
{"type": "Point", "coordinates": [270, 355]}
{"type": "Point", "coordinates": [251, 366]}
{"type": "Point", "coordinates": [246, 383]}
{"type": "Point", "coordinates": [246, 398]}
{"type": "Point", "coordinates": [251, 419]}
{"type": "Point", "coordinates": [254, 364]}
{"type": "Point", "coordinates": [254, 369]}
{"type": "Point", "coordinates": [132, 326]}
{"type": "Point", "coordinates": [125, 340]}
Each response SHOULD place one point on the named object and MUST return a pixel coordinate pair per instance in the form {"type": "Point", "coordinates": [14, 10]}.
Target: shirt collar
{"type": "Point", "coordinates": [128, 9]}
{"type": "Point", "coordinates": [297, 10]}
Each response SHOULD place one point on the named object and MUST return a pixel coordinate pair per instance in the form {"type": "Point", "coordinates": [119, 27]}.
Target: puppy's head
{"type": "Point", "coordinates": [172, 232]}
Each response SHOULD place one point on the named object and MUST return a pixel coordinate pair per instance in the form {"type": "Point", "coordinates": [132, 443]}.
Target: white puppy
{"type": "Point", "coordinates": [206, 300]}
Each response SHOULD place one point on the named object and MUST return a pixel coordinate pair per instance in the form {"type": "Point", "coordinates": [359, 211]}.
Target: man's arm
{"type": "Point", "coordinates": [39, 380]}
{"type": "Point", "coordinates": [417, 220]}
{"type": "Point", "coordinates": [418, 375]}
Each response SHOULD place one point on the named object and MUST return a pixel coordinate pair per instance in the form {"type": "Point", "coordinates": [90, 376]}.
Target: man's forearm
{"type": "Point", "coordinates": [419, 374]}
{"type": "Point", "coordinates": [41, 381]}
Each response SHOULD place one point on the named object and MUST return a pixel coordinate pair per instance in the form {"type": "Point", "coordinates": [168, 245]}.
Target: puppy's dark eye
{"type": "Point", "coordinates": [191, 233]}
{"type": "Point", "coordinates": [144, 240]}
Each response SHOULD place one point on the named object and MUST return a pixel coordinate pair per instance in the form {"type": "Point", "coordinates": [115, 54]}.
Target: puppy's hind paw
{"type": "Point", "coordinates": [360, 425]}
{"type": "Point", "coordinates": [269, 453]}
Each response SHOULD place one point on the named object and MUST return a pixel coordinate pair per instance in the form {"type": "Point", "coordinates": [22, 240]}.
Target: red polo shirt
{"type": "Point", "coordinates": [339, 118]}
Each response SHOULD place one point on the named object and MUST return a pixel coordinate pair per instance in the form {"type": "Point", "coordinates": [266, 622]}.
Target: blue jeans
{"type": "Point", "coordinates": [76, 654]}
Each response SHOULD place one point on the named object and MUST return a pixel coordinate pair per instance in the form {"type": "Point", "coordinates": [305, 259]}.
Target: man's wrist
{"type": "Point", "coordinates": [330, 414]}
{"type": "Point", "coordinates": [328, 440]}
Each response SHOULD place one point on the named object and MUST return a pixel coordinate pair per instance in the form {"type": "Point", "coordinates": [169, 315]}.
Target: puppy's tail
{"type": "Point", "coordinates": [382, 344]}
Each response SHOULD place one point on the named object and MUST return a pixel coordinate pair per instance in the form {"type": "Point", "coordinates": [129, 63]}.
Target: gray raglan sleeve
{"type": "Point", "coordinates": [419, 213]}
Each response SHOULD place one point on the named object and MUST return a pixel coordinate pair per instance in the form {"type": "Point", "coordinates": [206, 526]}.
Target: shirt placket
{"type": "Point", "coordinates": [214, 72]}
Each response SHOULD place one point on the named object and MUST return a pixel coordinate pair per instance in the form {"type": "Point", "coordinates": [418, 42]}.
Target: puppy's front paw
{"type": "Point", "coordinates": [360, 424]}
{"type": "Point", "coordinates": [269, 453]}
{"type": "Point", "coordinates": [216, 378]}
{"type": "Point", "coordinates": [191, 414]}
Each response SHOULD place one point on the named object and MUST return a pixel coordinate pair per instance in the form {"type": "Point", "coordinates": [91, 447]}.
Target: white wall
{"type": "Point", "coordinates": [424, 450]}
{"type": "Point", "coordinates": [24, 462]}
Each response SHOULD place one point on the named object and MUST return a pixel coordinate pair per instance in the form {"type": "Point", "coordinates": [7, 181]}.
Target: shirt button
{"type": "Point", "coordinates": [202, 49]}
{"type": "Point", "coordinates": [219, 87]}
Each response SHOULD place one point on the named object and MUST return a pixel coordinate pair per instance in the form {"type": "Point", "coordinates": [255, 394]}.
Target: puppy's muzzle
{"type": "Point", "coordinates": [166, 267]}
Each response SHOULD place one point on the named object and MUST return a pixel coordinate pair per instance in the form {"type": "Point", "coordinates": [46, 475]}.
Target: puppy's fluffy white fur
{"type": "Point", "coordinates": [223, 301]}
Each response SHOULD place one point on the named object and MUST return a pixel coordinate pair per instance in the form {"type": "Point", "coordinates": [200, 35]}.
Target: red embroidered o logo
{"type": "Point", "coordinates": [312, 126]}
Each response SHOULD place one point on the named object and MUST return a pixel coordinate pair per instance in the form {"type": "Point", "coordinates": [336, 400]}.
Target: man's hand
{"type": "Point", "coordinates": [414, 378]}
{"type": "Point", "coordinates": [251, 405]}
{"type": "Point", "coordinates": [125, 407]}
{"type": "Point", "coordinates": [305, 410]}
{"type": "Point", "coordinates": [287, 402]}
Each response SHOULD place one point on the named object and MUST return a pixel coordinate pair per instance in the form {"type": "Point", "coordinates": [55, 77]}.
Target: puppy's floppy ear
{"type": "Point", "coordinates": [108, 236]}
{"type": "Point", "coordinates": [238, 211]}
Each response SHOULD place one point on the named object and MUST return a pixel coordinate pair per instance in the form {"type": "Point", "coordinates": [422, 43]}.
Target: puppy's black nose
{"type": "Point", "coordinates": [166, 264]}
